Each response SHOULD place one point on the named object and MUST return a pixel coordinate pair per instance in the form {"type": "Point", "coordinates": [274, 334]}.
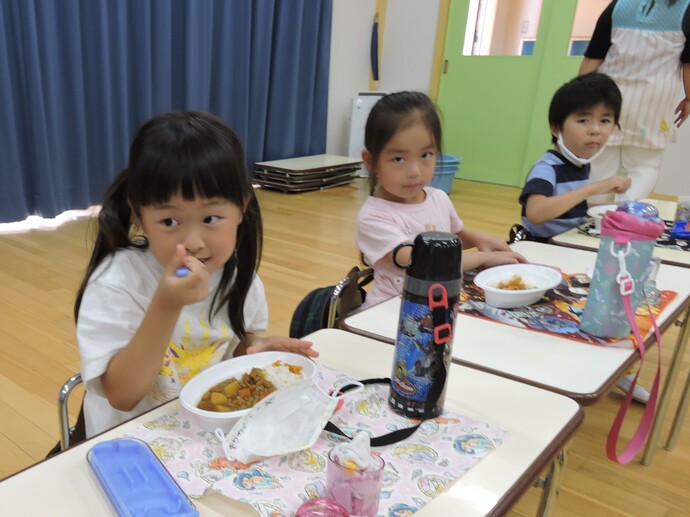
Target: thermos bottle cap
{"type": "Point", "coordinates": [641, 210]}
{"type": "Point", "coordinates": [436, 256]}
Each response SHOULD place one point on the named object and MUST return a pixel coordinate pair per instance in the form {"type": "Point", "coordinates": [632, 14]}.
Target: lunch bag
{"type": "Point", "coordinates": [324, 306]}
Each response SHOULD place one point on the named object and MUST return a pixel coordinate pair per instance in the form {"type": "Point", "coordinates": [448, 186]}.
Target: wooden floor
{"type": "Point", "coordinates": [309, 242]}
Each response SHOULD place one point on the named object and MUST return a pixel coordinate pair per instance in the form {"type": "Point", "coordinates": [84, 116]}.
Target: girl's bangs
{"type": "Point", "coordinates": [178, 173]}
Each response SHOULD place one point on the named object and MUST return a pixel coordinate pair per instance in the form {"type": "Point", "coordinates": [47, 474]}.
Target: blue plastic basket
{"type": "Point", "coordinates": [447, 167]}
{"type": "Point", "coordinates": [448, 161]}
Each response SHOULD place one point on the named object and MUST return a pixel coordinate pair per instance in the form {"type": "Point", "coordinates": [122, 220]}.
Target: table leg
{"type": "Point", "coordinates": [550, 486]}
{"type": "Point", "coordinates": [680, 416]}
{"type": "Point", "coordinates": [667, 390]}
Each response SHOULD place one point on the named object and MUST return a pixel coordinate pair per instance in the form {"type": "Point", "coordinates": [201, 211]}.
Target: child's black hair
{"type": "Point", "coordinates": [394, 112]}
{"type": "Point", "coordinates": [192, 154]}
{"type": "Point", "coordinates": [581, 93]}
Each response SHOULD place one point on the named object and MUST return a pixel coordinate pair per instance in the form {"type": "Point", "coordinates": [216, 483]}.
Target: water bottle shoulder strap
{"type": "Point", "coordinates": [644, 427]}
{"type": "Point", "coordinates": [377, 441]}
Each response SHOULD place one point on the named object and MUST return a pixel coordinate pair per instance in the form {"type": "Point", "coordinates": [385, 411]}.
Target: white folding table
{"type": "Point", "coordinates": [580, 371]}
{"type": "Point", "coordinates": [540, 422]}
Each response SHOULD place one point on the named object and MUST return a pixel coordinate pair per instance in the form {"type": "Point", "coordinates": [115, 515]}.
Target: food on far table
{"type": "Point", "coordinates": [516, 283]}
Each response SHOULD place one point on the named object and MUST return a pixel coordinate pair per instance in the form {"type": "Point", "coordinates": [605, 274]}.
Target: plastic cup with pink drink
{"type": "Point", "coordinates": [354, 476]}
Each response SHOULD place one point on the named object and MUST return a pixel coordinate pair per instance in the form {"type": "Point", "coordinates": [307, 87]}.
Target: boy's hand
{"type": "Point", "coordinates": [617, 184]}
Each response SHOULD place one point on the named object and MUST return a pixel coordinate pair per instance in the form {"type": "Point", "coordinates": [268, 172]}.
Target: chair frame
{"type": "Point", "coordinates": [63, 413]}
{"type": "Point", "coordinates": [339, 290]}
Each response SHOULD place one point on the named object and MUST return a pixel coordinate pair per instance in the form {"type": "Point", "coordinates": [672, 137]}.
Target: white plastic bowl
{"type": "Point", "coordinates": [542, 278]}
{"type": "Point", "coordinates": [193, 391]}
{"type": "Point", "coordinates": [597, 214]}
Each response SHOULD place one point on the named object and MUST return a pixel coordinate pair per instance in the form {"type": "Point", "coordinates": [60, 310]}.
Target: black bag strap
{"type": "Point", "coordinates": [357, 279]}
{"type": "Point", "coordinates": [399, 434]}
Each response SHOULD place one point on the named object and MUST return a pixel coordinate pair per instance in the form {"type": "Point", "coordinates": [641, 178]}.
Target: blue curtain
{"type": "Point", "coordinates": [77, 77]}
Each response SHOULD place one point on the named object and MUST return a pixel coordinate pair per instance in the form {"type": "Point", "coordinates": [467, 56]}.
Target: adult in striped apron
{"type": "Point", "coordinates": [644, 46]}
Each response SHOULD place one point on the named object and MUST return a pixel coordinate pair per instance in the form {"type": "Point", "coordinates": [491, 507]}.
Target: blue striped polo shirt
{"type": "Point", "coordinates": [554, 175]}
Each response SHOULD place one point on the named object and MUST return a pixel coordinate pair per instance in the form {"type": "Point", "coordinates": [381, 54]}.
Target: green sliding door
{"type": "Point", "coordinates": [494, 107]}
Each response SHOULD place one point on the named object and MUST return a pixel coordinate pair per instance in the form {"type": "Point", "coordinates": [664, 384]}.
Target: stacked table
{"type": "Point", "coordinates": [307, 173]}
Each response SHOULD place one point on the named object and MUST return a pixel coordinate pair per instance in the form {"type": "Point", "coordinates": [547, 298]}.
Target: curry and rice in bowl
{"type": "Point", "coordinates": [220, 395]}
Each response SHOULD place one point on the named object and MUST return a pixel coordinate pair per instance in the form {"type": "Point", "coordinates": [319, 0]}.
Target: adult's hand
{"type": "Point", "coordinates": [682, 112]}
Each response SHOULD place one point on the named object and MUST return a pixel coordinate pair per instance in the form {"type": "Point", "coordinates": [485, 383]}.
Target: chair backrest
{"type": "Point", "coordinates": [69, 435]}
{"type": "Point", "coordinates": [324, 307]}
{"type": "Point", "coordinates": [517, 233]}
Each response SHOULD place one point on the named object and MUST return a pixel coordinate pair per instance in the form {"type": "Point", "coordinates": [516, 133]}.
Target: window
{"type": "Point", "coordinates": [578, 47]}
{"type": "Point", "coordinates": [502, 27]}
{"type": "Point", "coordinates": [527, 47]}
{"type": "Point", "coordinates": [586, 15]}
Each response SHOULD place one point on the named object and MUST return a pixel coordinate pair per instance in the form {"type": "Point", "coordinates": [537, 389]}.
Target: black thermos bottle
{"type": "Point", "coordinates": [425, 329]}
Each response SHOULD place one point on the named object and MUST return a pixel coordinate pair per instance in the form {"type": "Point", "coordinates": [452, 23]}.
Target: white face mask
{"type": "Point", "coordinates": [288, 420]}
{"type": "Point", "coordinates": [571, 156]}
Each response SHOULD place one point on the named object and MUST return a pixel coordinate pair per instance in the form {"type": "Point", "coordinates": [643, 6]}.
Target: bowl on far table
{"type": "Point", "coordinates": [532, 282]}
{"type": "Point", "coordinates": [597, 213]}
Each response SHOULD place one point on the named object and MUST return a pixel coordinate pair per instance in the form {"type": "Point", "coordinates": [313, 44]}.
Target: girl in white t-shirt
{"type": "Point", "coordinates": [172, 285]}
{"type": "Point", "coordinates": [402, 139]}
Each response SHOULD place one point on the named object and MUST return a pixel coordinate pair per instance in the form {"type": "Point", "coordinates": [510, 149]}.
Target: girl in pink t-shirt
{"type": "Point", "coordinates": [402, 140]}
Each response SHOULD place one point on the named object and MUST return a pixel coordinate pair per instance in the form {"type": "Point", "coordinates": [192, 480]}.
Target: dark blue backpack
{"type": "Point", "coordinates": [325, 306]}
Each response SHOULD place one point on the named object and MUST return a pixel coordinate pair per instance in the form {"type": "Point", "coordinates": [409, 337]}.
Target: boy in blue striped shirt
{"type": "Point", "coordinates": [582, 115]}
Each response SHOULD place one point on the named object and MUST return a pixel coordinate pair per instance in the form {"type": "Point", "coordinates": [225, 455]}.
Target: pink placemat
{"type": "Point", "coordinates": [417, 469]}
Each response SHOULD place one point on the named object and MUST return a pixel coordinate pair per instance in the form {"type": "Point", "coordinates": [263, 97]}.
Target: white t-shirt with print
{"type": "Point", "coordinates": [382, 225]}
{"type": "Point", "coordinates": [113, 306]}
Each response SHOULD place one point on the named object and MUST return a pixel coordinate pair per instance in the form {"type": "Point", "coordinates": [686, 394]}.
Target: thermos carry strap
{"type": "Point", "coordinates": [443, 332]}
{"type": "Point", "coordinates": [394, 436]}
{"type": "Point", "coordinates": [626, 287]}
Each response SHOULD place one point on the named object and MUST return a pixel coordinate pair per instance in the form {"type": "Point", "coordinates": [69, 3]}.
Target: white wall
{"type": "Point", "coordinates": [408, 46]}
{"type": "Point", "coordinates": [349, 68]}
{"type": "Point", "coordinates": [406, 57]}
{"type": "Point", "coordinates": [675, 171]}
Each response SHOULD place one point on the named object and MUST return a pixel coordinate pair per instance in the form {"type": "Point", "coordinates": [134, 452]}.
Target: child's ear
{"type": "Point", "coordinates": [554, 130]}
{"type": "Point", "coordinates": [368, 161]}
